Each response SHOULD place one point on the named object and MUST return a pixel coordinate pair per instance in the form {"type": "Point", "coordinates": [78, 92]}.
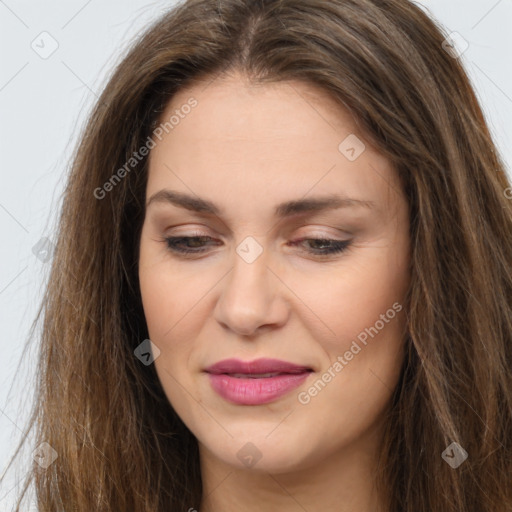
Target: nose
{"type": "Point", "coordinates": [251, 297]}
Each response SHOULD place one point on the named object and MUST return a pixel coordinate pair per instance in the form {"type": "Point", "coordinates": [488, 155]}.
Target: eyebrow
{"type": "Point", "coordinates": [285, 209]}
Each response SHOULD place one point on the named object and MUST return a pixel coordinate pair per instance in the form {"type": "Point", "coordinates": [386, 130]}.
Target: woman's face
{"type": "Point", "coordinates": [247, 170]}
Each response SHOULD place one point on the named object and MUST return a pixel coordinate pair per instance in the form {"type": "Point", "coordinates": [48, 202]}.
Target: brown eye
{"type": "Point", "coordinates": [196, 245]}
{"type": "Point", "coordinates": [325, 246]}
{"type": "Point", "coordinates": [187, 244]}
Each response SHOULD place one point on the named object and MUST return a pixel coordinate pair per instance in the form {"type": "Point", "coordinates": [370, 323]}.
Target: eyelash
{"type": "Point", "coordinates": [338, 246]}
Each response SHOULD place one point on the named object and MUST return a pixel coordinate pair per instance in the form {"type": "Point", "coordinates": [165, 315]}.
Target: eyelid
{"type": "Point", "coordinates": [322, 233]}
{"type": "Point", "coordinates": [295, 238]}
{"type": "Point", "coordinates": [189, 230]}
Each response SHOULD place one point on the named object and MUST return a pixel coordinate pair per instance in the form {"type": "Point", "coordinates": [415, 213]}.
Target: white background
{"type": "Point", "coordinates": [43, 103]}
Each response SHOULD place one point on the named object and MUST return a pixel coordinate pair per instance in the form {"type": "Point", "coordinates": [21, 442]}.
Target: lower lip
{"type": "Point", "coordinates": [255, 391]}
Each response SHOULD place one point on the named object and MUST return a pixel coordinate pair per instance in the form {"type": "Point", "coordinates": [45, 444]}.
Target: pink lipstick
{"type": "Point", "coordinates": [255, 382]}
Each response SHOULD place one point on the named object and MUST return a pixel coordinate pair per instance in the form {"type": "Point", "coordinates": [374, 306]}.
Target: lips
{"type": "Point", "coordinates": [258, 367]}
{"type": "Point", "coordinates": [255, 382]}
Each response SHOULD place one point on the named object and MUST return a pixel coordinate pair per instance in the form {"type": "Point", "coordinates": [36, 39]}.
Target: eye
{"type": "Point", "coordinates": [188, 245]}
{"type": "Point", "coordinates": [325, 246]}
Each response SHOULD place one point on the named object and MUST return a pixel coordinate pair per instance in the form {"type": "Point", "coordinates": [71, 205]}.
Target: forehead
{"type": "Point", "coordinates": [238, 107]}
{"type": "Point", "coordinates": [248, 143]}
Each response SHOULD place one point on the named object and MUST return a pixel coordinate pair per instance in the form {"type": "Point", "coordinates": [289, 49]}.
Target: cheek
{"type": "Point", "coordinates": [364, 356]}
{"type": "Point", "coordinates": [159, 305]}
{"type": "Point", "coordinates": [166, 298]}
{"type": "Point", "coordinates": [363, 303]}
{"type": "Point", "coordinates": [171, 317]}
{"type": "Point", "coordinates": [370, 326]}
{"type": "Point", "coordinates": [175, 304]}
{"type": "Point", "coordinates": [169, 313]}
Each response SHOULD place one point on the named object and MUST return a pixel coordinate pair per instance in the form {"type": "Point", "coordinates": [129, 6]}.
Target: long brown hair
{"type": "Point", "coordinates": [120, 445]}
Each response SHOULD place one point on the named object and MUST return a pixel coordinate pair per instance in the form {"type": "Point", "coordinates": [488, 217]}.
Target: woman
{"type": "Point", "coordinates": [282, 274]}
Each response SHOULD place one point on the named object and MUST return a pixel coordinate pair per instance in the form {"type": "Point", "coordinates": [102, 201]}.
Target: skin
{"type": "Point", "coordinates": [248, 148]}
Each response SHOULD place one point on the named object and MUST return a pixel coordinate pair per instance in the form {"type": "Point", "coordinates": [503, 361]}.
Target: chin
{"type": "Point", "coordinates": [263, 454]}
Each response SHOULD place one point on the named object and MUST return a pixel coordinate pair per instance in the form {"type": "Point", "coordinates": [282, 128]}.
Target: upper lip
{"type": "Point", "coordinates": [257, 366]}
